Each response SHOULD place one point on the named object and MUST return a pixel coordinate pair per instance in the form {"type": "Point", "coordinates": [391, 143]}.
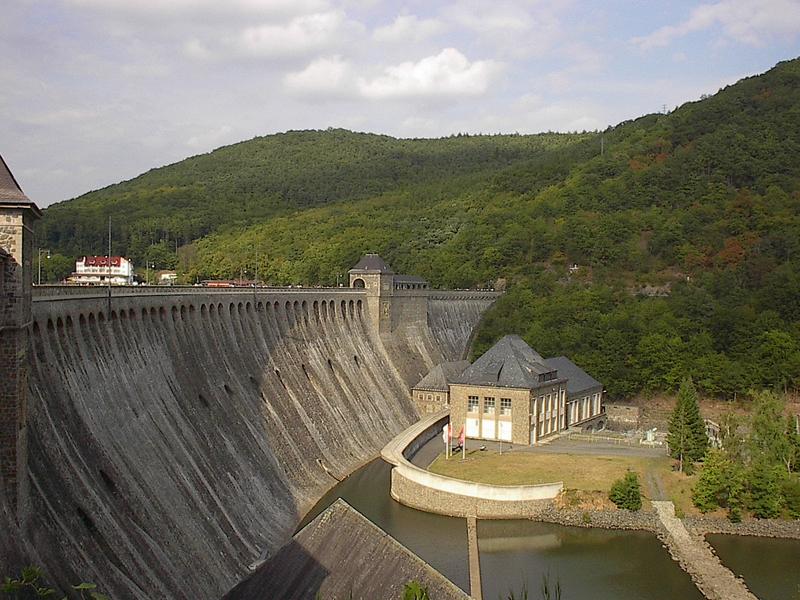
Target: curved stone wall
{"type": "Point", "coordinates": [423, 490]}
{"type": "Point", "coordinates": [453, 316]}
{"type": "Point", "coordinates": [176, 438]}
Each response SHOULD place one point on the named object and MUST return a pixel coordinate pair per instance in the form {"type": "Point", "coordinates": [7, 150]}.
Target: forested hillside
{"type": "Point", "coordinates": [685, 230]}
{"type": "Point", "coordinates": [252, 181]}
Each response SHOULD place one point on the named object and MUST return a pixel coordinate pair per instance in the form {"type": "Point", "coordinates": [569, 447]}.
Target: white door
{"type": "Point", "coordinates": [472, 428]}
{"type": "Point", "coordinates": [488, 429]}
{"type": "Point", "coordinates": [504, 432]}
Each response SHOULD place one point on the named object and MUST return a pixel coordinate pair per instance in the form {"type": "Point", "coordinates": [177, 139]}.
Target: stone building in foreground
{"type": "Point", "coordinates": [17, 215]}
{"type": "Point", "coordinates": [432, 393]}
{"type": "Point", "coordinates": [513, 394]}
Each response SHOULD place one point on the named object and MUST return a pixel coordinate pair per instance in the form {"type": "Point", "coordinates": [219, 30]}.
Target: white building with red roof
{"type": "Point", "coordinates": [99, 270]}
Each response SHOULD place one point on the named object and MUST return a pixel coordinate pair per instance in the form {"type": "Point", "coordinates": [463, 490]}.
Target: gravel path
{"type": "Point", "coordinates": [695, 556]}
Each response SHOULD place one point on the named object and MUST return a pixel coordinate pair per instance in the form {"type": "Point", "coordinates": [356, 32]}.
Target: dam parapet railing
{"type": "Point", "coordinates": [419, 488]}
{"type": "Point", "coordinates": [57, 292]}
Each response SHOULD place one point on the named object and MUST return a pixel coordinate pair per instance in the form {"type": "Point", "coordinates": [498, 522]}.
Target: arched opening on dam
{"type": "Point", "coordinates": [358, 283]}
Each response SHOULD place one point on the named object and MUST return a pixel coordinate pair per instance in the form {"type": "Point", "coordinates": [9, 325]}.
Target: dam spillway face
{"type": "Point", "coordinates": [174, 439]}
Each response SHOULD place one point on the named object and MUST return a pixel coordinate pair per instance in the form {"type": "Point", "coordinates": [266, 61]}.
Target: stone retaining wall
{"type": "Point", "coordinates": [423, 490]}
{"type": "Point", "coordinates": [761, 527]}
{"type": "Point", "coordinates": [604, 519]}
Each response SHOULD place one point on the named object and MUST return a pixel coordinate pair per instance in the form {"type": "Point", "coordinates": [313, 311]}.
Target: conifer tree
{"type": "Point", "coordinates": [687, 433]}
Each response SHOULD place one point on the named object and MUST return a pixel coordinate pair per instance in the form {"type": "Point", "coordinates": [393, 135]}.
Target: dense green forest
{"type": "Point", "coordinates": [684, 229]}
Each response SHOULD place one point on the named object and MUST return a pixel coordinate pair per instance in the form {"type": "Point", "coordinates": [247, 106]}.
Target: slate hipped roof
{"type": "Point", "coordinates": [578, 380]}
{"type": "Point", "coordinates": [374, 263]}
{"type": "Point", "coordinates": [10, 192]}
{"type": "Point", "coordinates": [509, 363]}
{"type": "Point", "coordinates": [341, 554]}
{"type": "Point", "coordinates": [441, 376]}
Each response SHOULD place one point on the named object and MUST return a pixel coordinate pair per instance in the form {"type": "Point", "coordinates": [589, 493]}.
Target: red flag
{"type": "Point", "coordinates": [461, 437]}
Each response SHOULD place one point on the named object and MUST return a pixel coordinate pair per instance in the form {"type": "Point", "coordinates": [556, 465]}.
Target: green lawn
{"type": "Point", "coordinates": [580, 472]}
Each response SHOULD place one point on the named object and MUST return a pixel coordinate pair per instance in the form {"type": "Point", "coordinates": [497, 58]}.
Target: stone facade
{"type": "Point", "coordinates": [622, 417]}
{"type": "Point", "coordinates": [16, 239]}
{"type": "Point", "coordinates": [512, 394]}
{"type": "Point", "coordinates": [520, 417]}
{"type": "Point", "coordinates": [17, 214]}
{"type": "Point", "coordinates": [430, 401]}
{"type": "Point", "coordinates": [392, 300]}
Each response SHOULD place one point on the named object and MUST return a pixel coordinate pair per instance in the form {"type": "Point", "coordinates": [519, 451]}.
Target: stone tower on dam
{"type": "Point", "coordinates": [176, 436]}
{"type": "Point", "coordinates": [17, 214]}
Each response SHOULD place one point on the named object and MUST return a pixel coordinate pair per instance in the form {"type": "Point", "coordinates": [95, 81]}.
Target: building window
{"type": "Point", "coordinates": [488, 406]}
{"type": "Point", "coordinates": [472, 404]}
{"type": "Point", "coordinates": [505, 407]}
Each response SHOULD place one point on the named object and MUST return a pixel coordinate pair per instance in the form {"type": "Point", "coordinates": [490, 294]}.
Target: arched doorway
{"type": "Point", "coordinates": [358, 283]}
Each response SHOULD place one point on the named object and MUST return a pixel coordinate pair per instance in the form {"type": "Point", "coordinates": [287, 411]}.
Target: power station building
{"type": "Point", "coordinates": [512, 394]}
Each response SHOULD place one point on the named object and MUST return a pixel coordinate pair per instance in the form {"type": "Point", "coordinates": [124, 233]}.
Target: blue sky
{"type": "Point", "coordinates": [97, 91]}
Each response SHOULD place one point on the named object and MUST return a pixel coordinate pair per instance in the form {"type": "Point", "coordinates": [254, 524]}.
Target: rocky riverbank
{"type": "Point", "coordinates": [775, 528]}
{"type": "Point", "coordinates": [604, 519]}
{"type": "Point", "coordinates": [647, 520]}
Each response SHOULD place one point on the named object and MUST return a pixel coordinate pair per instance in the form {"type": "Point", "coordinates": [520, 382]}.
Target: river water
{"type": "Point", "coordinates": [589, 564]}
{"type": "Point", "coordinates": [770, 567]}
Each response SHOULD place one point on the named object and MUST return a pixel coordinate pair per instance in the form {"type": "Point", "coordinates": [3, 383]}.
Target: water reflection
{"type": "Point", "coordinates": [588, 563]}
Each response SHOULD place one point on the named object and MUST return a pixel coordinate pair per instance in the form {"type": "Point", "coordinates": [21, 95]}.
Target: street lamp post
{"type": "Point", "coordinates": [41, 251]}
{"type": "Point", "coordinates": [147, 266]}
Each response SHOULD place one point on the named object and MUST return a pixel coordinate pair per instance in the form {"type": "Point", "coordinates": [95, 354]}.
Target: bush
{"type": "Point", "coordinates": [414, 591]}
{"type": "Point", "coordinates": [626, 492]}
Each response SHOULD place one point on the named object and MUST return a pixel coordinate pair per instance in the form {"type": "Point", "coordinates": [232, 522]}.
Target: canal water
{"type": "Point", "coordinates": [770, 567]}
{"type": "Point", "coordinates": [589, 564]}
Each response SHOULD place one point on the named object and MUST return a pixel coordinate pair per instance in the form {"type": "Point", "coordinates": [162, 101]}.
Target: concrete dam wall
{"type": "Point", "coordinates": [173, 439]}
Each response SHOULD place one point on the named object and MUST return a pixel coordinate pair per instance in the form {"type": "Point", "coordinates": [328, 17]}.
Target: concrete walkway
{"type": "Point", "coordinates": [475, 586]}
{"type": "Point", "coordinates": [695, 556]}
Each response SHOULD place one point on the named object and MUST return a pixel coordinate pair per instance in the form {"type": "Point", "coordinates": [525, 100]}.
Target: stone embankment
{"type": "Point", "coordinates": [695, 556]}
{"type": "Point", "coordinates": [774, 528]}
{"type": "Point", "coordinates": [603, 519]}
{"type": "Point", "coordinates": [430, 492]}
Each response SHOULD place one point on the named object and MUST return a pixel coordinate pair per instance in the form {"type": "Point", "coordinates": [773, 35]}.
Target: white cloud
{"type": "Point", "coordinates": [408, 28]}
{"type": "Point", "coordinates": [745, 21]}
{"type": "Point", "coordinates": [516, 28]}
{"type": "Point", "coordinates": [448, 73]}
{"type": "Point", "coordinates": [300, 36]}
{"type": "Point", "coordinates": [329, 76]}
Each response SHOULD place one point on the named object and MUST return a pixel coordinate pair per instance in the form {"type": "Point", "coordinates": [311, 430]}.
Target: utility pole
{"type": "Point", "coordinates": [109, 267]}
{"type": "Point", "coordinates": [41, 250]}
{"type": "Point", "coordinates": [602, 145]}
